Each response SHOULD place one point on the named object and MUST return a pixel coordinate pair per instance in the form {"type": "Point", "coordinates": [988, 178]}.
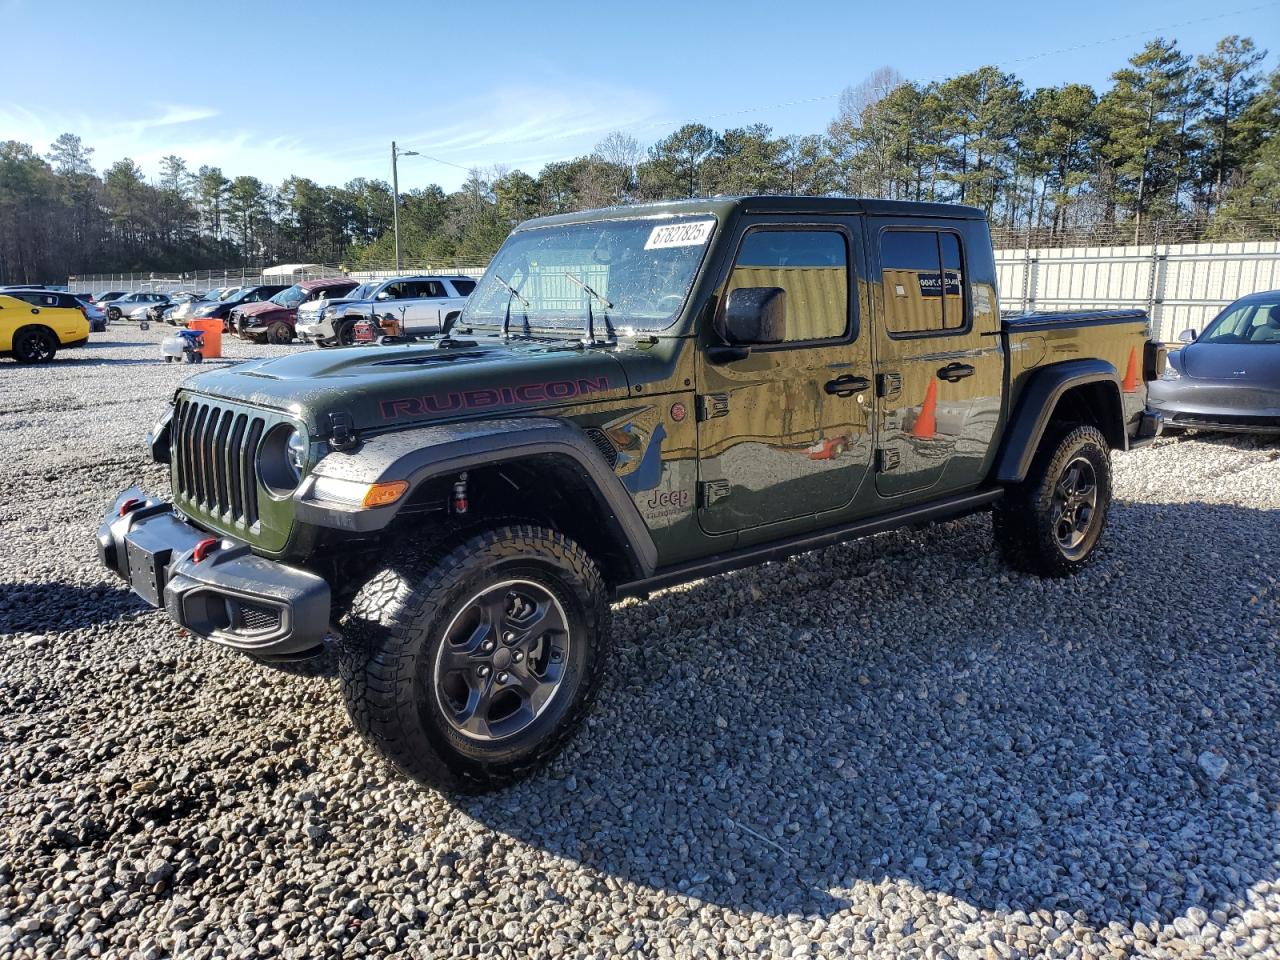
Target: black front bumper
{"type": "Point", "coordinates": [231, 596]}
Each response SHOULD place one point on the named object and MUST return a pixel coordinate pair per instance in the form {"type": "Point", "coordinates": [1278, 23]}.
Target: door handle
{"type": "Point", "coordinates": [847, 385]}
{"type": "Point", "coordinates": [955, 372]}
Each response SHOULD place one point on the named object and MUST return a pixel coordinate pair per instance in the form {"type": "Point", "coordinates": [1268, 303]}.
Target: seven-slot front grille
{"type": "Point", "coordinates": [215, 455]}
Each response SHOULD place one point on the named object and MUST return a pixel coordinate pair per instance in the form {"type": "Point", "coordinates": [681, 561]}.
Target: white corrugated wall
{"type": "Point", "coordinates": [1181, 284]}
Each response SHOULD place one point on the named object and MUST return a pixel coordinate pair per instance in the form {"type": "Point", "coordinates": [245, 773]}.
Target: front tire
{"type": "Point", "coordinates": [469, 668]}
{"type": "Point", "coordinates": [279, 333]}
{"type": "Point", "coordinates": [1050, 523]}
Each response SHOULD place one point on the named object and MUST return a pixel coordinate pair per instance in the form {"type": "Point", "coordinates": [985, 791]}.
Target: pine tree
{"type": "Point", "coordinates": [1142, 115]}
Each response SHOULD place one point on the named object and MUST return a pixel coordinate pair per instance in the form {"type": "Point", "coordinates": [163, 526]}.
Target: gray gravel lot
{"type": "Point", "coordinates": [890, 748]}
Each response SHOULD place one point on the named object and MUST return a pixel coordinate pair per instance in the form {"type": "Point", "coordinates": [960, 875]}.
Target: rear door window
{"type": "Point", "coordinates": [427, 289]}
{"type": "Point", "coordinates": [923, 277]}
{"type": "Point", "coordinates": [39, 299]}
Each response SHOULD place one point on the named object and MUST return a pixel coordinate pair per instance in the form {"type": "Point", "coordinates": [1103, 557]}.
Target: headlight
{"type": "Point", "coordinates": [1170, 373]}
{"type": "Point", "coordinates": [297, 451]}
{"type": "Point", "coordinates": [282, 458]}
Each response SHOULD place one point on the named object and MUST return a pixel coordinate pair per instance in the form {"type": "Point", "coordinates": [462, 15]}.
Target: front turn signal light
{"type": "Point", "coordinates": [383, 494]}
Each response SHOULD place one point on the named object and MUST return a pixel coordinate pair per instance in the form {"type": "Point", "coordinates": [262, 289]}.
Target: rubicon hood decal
{"type": "Point", "coordinates": [483, 397]}
{"type": "Point", "coordinates": [396, 385]}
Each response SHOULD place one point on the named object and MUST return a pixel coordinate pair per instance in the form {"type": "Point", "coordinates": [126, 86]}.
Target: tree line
{"type": "Point", "coordinates": [1174, 140]}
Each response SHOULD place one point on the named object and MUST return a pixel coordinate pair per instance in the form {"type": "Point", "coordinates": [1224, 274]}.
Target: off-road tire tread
{"type": "Point", "coordinates": [376, 666]}
{"type": "Point", "coordinates": [1020, 519]}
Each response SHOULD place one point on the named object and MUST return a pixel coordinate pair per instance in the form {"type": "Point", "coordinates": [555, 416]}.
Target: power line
{"type": "Point", "coordinates": [1142, 33]}
{"type": "Point", "coordinates": [447, 163]}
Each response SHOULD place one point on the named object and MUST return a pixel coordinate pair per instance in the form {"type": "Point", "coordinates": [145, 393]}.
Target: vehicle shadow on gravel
{"type": "Point", "coordinates": [907, 710]}
{"type": "Point", "coordinates": [41, 608]}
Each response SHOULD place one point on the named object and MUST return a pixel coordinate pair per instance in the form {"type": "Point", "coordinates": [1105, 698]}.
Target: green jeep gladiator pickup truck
{"type": "Point", "coordinates": [633, 398]}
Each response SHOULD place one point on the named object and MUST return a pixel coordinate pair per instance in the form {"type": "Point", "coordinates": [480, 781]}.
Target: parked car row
{"type": "Point", "coordinates": [333, 311]}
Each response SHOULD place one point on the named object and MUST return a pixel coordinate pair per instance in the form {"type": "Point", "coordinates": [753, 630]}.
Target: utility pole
{"type": "Point", "coordinates": [395, 194]}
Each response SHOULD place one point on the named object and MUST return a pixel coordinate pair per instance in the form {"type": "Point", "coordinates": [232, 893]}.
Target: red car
{"type": "Point", "coordinates": [273, 320]}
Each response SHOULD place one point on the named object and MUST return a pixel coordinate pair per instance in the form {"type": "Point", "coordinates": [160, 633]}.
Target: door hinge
{"type": "Point", "coordinates": [712, 405]}
{"type": "Point", "coordinates": [888, 385]}
{"type": "Point", "coordinates": [887, 460]}
{"type": "Point", "coordinates": [712, 491]}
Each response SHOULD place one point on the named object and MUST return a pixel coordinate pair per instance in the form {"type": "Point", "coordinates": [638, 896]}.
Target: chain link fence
{"type": "Point", "coordinates": [1180, 285]}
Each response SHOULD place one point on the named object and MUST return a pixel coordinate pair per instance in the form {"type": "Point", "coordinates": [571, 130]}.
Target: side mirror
{"type": "Point", "coordinates": [1187, 336]}
{"type": "Point", "coordinates": [756, 315]}
{"type": "Point", "coordinates": [383, 295]}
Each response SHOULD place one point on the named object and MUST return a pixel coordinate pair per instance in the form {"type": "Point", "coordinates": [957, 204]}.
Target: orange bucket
{"type": "Point", "coordinates": [212, 330]}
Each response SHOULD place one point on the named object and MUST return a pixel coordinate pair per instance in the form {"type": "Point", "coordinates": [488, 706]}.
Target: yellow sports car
{"type": "Point", "coordinates": [36, 324]}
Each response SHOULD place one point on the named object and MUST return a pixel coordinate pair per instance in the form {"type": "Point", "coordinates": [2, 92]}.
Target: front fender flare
{"type": "Point", "coordinates": [1035, 408]}
{"type": "Point", "coordinates": [418, 454]}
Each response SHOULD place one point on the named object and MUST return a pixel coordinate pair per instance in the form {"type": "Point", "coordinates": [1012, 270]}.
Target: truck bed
{"type": "Point", "coordinates": [1118, 338]}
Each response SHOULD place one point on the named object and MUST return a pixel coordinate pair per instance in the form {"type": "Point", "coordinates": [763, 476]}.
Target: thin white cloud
{"type": "Point", "coordinates": [521, 127]}
{"type": "Point", "coordinates": [172, 114]}
{"type": "Point", "coordinates": [517, 126]}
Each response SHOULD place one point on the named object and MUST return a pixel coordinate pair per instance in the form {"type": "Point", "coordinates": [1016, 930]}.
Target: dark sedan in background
{"type": "Point", "coordinates": [221, 308]}
{"type": "Point", "coordinates": [1228, 377]}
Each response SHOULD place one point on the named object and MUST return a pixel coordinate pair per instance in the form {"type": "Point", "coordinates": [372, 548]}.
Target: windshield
{"type": "Point", "coordinates": [291, 297]}
{"type": "Point", "coordinates": [1255, 322]}
{"type": "Point", "coordinates": [362, 292]}
{"type": "Point", "coordinates": [640, 270]}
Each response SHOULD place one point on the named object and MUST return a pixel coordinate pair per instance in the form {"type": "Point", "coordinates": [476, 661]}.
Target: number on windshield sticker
{"type": "Point", "coordinates": [679, 235]}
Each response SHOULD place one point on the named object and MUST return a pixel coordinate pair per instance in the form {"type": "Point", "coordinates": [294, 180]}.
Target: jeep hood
{"type": "Point", "coordinates": [395, 385]}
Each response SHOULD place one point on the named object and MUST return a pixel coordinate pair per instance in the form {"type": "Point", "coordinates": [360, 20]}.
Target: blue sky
{"type": "Point", "coordinates": [320, 89]}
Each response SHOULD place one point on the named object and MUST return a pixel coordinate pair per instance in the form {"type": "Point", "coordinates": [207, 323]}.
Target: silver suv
{"type": "Point", "coordinates": [419, 304]}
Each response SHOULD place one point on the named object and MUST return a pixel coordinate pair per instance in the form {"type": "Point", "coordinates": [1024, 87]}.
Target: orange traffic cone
{"type": "Point", "coordinates": [1131, 379]}
{"type": "Point", "coordinates": [926, 425]}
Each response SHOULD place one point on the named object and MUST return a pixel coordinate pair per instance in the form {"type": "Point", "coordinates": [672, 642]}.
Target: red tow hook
{"type": "Point", "coordinates": [204, 548]}
{"type": "Point", "coordinates": [131, 504]}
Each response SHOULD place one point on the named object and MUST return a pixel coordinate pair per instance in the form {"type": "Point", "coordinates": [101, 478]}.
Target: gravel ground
{"type": "Point", "coordinates": [895, 747]}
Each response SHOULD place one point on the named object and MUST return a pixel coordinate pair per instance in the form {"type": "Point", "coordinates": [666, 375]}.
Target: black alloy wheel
{"type": "Point", "coordinates": [34, 345]}
{"type": "Point", "coordinates": [1075, 500]}
{"type": "Point", "coordinates": [502, 660]}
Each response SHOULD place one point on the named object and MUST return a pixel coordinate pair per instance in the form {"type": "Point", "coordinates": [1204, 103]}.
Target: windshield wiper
{"type": "Point", "coordinates": [610, 336]}
{"type": "Point", "coordinates": [512, 292]}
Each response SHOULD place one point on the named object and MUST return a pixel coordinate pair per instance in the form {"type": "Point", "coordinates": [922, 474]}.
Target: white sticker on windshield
{"type": "Point", "coordinates": [679, 235]}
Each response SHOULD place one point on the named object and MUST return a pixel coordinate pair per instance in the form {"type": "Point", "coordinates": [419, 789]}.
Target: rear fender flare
{"type": "Point", "coordinates": [421, 454]}
{"type": "Point", "coordinates": [1036, 406]}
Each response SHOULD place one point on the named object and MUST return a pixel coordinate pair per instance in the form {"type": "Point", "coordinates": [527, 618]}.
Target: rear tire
{"type": "Point", "coordinates": [1050, 524]}
{"type": "Point", "coordinates": [468, 667]}
{"type": "Point", "coordinates": [34, 345]}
